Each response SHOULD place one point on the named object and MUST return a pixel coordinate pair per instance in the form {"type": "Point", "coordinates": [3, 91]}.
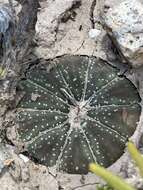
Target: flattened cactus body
{"type": "Point", "coordinates": [78, 112]}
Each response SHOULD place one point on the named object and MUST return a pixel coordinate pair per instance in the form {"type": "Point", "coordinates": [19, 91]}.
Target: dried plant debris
{"type": "Point", "coordinates": [77, 112]}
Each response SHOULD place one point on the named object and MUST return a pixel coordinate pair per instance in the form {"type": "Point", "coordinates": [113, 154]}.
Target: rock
{"type": "Point", "coordinates": [4, 156]}
{"type": "Point", "coordinates": [49, 19]}
{"type": "Point", "coordinates": [58, 33]}
{"type": "Point", "coordinates": [5, 19]}
{"type": "Point", "coordinates": [24, 158]}
{"type": "Point", "coordinates": [125, 22]}
{"type": "Point", "coordinates": [94, 33]}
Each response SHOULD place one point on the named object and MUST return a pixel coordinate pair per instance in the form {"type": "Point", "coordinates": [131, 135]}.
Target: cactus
{"type": "Point", "coordinates": [136, 156]}
{"type": "Point", "coordinates": [115, 181]}
{"type": "Point", "coordinates": [104, 187]}
{"type": "Point", "coordinates": [76, 110]}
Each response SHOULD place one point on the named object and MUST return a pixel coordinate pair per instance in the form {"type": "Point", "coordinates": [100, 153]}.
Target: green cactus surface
{"type": "Point", "coordinates": [76, 110]}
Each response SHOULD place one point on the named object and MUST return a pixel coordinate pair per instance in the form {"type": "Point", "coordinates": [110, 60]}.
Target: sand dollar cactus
{"type": "Point", "coordinates": [77, 112]}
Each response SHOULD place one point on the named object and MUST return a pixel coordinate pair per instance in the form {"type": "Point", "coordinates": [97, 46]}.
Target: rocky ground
{"type": "Point", "coordinates": [73, 27]}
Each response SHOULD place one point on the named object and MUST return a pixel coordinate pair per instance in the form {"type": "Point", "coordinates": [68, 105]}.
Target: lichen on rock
{"type": "Point", "coordinates": [82, 112]}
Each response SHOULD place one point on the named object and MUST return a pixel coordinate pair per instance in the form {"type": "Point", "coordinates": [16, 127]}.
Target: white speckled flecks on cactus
{"type": "Point", "coordinates": [80, 114]}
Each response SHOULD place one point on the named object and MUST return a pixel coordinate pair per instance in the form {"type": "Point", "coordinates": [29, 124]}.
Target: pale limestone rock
{"type": "Point", "coordinates": [56, 38]}
{"type": "Point", "coordinates": [94, 33]}
{"type": "Point", "coordinates": [49, 19]}
{"type": "Point", "coordinates": [126, 23]}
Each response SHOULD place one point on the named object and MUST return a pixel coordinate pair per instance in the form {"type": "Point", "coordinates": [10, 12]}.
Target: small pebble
{"type": "Point", "coordinates": [94, 33]}
{"type": "Point", "coordinates": [24, 158]}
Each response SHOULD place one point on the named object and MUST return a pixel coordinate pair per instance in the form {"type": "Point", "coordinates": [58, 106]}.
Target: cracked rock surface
{"type": "Point", "coordinates": [65, 27]}
{"type": "Point", "coordinates": [125, 22]}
